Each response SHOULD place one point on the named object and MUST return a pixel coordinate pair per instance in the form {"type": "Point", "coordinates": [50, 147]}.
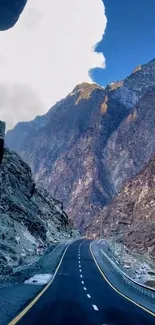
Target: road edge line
{"type": "Point", "coordinates": [79, 249]}
{"type": "Point", "coordinates": [32, 303]}
{"type": "Point", "coordinates": [114, 288]}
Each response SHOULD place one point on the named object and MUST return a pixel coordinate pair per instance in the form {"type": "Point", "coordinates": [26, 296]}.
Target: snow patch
{"type": "Point", "coordinates": [39, 279]}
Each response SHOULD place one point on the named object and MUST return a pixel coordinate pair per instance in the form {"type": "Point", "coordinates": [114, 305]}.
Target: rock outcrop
{"type": "Point", "coordinates": [29, 218]}
{"type": "Point", "coordinates": [67, 148]}
{"type": "Point", "coordinates": [130, 217]}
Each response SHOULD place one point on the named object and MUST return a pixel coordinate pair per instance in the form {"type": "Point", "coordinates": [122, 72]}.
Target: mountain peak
{"type": "Point", "coordinates": [86, 86]}
{"type": "Point", "coordinates": [71, 155]}
{"type": "Point", "coordinates": [138, 68]}
{"type": "Point", "coordinates": [84, 91]}
{"type": "Point", "coordinates": [144, 66]}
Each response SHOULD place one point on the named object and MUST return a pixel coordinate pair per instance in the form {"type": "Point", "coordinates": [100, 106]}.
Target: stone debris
{"type": "Point", "coordinates": [30, 219]}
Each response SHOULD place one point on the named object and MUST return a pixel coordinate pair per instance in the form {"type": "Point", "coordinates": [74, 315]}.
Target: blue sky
{"type": "Point", "coordinates": [129, 39]}
{"type": "Point", "coordinates": [42, 60]}
{"type": "Point", "coordinates": [46, 54]}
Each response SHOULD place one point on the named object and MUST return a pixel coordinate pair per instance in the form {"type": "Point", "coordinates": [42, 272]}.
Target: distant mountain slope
{"type": "Point", "coordinates": [67, 147]}
{"type": "Point", "coordinates": [130, 217]}
{"type": "Point", "coordinates": [29, 218]}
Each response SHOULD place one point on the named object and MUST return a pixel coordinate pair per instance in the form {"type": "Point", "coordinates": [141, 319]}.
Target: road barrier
{"type": "Point", "coordinates": [148, 291]}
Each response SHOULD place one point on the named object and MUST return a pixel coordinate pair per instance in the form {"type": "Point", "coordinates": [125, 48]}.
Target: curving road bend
{"type": "Point", "coordinates": [79, 295]}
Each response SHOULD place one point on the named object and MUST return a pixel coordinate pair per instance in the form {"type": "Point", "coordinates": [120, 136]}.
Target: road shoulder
{"type": "Point", "coordinates": [118, 283]}
{"type": "Point", "coordinates": [15, 295]}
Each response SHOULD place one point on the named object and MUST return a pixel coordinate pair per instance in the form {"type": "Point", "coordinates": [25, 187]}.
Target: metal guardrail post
{"type": "Point", "coordinates": [150, 292]}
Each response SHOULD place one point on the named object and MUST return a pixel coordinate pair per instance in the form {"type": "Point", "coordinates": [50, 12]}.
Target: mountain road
{"type": "Point", "coordinates": [79, 295]}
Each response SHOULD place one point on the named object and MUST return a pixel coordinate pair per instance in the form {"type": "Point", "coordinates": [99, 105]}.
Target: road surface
{"type": "Point", "coordinates": [79, 295]}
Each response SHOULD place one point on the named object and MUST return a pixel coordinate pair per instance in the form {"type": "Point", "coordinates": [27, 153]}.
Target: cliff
{"type": "Point", "coordinates": [29, 218]}
{"type": "Point", "coordinates": [130, 217]}
{"type": "Point", "coordinates": [131, 146]}
{"type": "Point", "coordinates": [88, 144]}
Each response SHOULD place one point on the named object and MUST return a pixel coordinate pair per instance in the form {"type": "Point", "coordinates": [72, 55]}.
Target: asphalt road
{"type": "Point", "coordinates": [79, 295]}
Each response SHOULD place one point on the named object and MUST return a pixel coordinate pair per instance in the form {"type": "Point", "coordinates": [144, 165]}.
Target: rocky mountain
{"type": "Point", "coordinates": [10, 11]}
{"type": "Point", "coordinates": [69, 149]}
{"type": "Point", "coordinates": [29, 218]}
{"type": "Point", "coordinates": [130, 217]}
{"type": "Point", "coordinates": [133, 143]}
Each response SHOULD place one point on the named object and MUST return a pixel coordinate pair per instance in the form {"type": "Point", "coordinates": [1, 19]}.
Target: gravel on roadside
{"type": "Point", "coordinates": [14, 294]}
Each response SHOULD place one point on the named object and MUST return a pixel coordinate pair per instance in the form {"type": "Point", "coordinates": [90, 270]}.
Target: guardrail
{"type": "Point", "coordinates": [148, 291]}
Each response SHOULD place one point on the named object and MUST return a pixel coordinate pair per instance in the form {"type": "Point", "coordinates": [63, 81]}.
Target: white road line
{"type": "Point", "coordinates": [85, 288]}
{"type": "Point", "coordinates": [82, 282]}
{"type": "Point", "coordinates": [80, 270]}
{"type": "Point", "coordinates": [88, 296]}
{"type": "Point", "coordinates": [81, 276]}
{"type": "Point", "coordinates": [95, 307]}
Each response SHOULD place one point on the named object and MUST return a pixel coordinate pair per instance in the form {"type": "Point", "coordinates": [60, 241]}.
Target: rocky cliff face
{"type": "Point", "coordinates": [29, 218]}
{"type": "Point", "coordinates": [130, 217]}
{"type": "Point", "coordinates": [133, 143]}
{"type": "Point", "coordinates": [67, 148]}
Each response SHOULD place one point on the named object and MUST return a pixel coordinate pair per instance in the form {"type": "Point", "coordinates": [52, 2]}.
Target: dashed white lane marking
{"type": "Point", "coordinates": [85, 288]}
{"type": "Point", "coordinates": [82, 282]}
{"type": "Point", "coordinates": [81, 276]}
{"type": "Point", "coordinates": [80, 270]}
{"type": "Point", "coordinates": [88, 296]}
{"type": "Point", "coordinates": [95, 307]}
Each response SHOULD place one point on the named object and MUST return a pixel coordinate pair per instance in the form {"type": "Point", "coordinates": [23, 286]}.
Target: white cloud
{"type": "Point", "coordinates": [47, 53]}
